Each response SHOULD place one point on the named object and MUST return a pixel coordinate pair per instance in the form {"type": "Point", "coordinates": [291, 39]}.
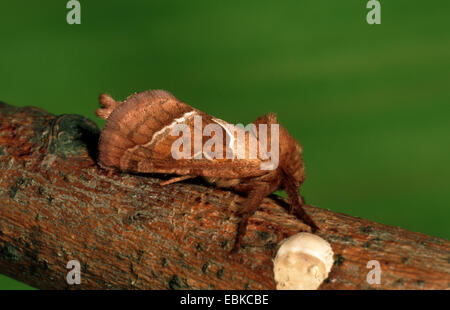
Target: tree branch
{"type": "Point", "coordinates": [129, 232]}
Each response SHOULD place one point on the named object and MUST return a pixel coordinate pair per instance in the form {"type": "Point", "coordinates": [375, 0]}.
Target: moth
{"type": "Point", "coordinates": [138, 136]}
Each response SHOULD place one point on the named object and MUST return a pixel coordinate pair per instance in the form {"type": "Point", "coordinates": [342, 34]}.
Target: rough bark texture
{"type": "Point", "coordinates": [128, 232]}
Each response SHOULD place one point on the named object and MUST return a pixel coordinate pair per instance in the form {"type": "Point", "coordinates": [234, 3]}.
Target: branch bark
{"type": "Point", "coordinates": [128, 232]}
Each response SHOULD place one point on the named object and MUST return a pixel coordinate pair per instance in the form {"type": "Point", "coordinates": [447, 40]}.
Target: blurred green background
{"type": "Point", "coordinates": [369, 103]}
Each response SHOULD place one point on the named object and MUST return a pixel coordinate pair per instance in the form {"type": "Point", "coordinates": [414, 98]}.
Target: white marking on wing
{"type": "Point", "coordinates": [229, 129]}
{"type": "Point", "coordinates": [169, 127]}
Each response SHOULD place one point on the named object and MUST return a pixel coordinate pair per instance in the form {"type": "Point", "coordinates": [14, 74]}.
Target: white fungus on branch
{"type": "Point", "coordinates": [303, 261]}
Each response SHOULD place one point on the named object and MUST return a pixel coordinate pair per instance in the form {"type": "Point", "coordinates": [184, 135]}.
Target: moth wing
{"type": "Point", "coordinates": [138, 137]}
{"type": "Point", "coordinates": [164, 152]}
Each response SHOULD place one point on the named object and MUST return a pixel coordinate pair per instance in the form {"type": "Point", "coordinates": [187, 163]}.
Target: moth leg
{"type": "Point", "coordinates": [296, 203]}
{"type": "Point", "coordinates": [177, 179]}
{"type": "Point", "coordinates": [250, 205]}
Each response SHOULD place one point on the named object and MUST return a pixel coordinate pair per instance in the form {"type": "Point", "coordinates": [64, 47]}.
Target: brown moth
{"type": "Point", "coordinates": [138, 137]}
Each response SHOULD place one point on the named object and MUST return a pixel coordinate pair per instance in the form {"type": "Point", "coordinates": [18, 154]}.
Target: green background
{"type": "Point", "coordinates": [369, 103]}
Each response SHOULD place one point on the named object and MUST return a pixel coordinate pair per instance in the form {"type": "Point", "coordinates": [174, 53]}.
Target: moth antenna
{"type": "Point", "coordinates": [107, 104]}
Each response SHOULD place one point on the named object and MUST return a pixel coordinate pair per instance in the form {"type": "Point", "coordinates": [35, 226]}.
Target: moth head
{"type": "Point", "coordinates": [297, 164]}
{"type": "Point", "coordinates": [291, 158]}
